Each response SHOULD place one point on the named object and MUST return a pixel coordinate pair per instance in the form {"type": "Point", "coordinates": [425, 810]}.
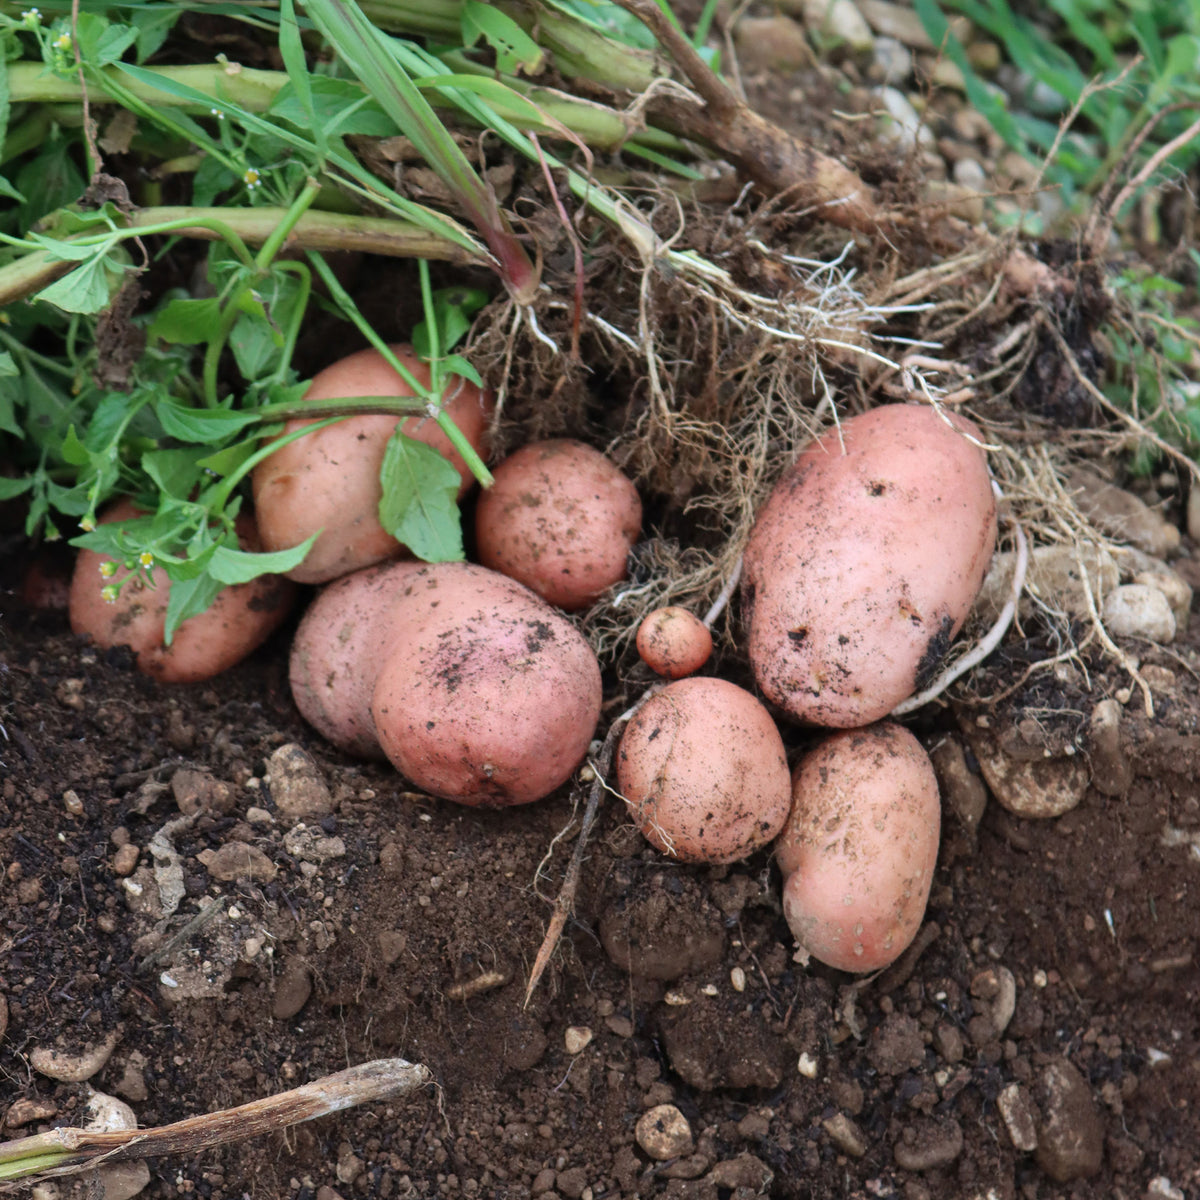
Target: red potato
{"type": "Point", "coordinates": [239, 620]}
{"type": "Point", "coordinates": [329, 480]}
{"type": "Point", "coordinates": [339, 647]}
{"type": "Point", "coordinates": [674, 642]}
{"type": "Point", "coordinates": [860, 846]}
{"type": "Point", "coordinates": [561, 518]}
{"type": "Point", "coordinates": [703, 771]}
{"type": "Point", "coordinates": [487, 695]}
{"type": "Point", "coordinates": [864, 564]}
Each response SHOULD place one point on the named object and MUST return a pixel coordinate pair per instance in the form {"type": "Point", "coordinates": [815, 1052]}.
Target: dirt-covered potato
{"type": "Point", "coordinates": [487, 695]}
{"type": "Point", "coordinates": [673, 642]}
{"type": "Point", "coordinates": [337, 652]}
{"type": "Point", "coordinates": [703, 771]}
{"type": "Point", "coordinates": [329, 480]}
{"type": "Point", "coordinates": [860, 846]}
{"type": "Point", "coordinates": [239, 620]}
{"type": "Point", "coordinates": [562, 519]}
{"type": "Point", "coordinates": [864, 563]}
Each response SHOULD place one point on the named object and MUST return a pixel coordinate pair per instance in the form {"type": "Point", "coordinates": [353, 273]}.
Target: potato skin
{"type": "Point", "coordinates": [703, 771]}
{"type": "Point", "coordinates": [860, 846]}
{"type": "Point", "coordinates": [561, 518]}
{"type": "Point", "coordinates": [239, 620]}
{"type": "Point", "coordinates": [488, 696]}
{"type": "Point", "coordinates": [339, 648]}
{"type": "Point", "coordinates": [863, 565]}
{"type": "Point", "coordinates": [673, 642]}
{"type": "Point", "coordinates": [329, 479]}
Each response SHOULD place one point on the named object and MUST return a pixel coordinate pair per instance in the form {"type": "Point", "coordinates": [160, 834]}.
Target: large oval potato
{"type": "Point", "coordinates": [703, 771]}
{"type": "Point", "coordinates": [329, 480]}
{"type": "Point", "coordinates": [488, 696]}
{"type": "Point", "coordinates": [339, 648]}
{"type": "Point", "coordinates": [860, 846]}
{"type": "Point", "coordinates": [237, 621]}
{"type": "Point", "coordinates": [561, 518]}
{"type": "Point", "coordinates": [864, 564]}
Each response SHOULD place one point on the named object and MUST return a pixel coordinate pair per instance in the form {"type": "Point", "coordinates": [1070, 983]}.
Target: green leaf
{"type": "Point", "coordinates": [188, 598]}
{"type": "Point", "coordinates": [204, 425]}
{"type": "Point", "coordinates": [239, 566]}
{"type": "Point", "coordinates": [419, 506]}
{"type": "Point", "coordinates": [8, 366]}
{"type": "Point", "coordinates": [187, 322]}
{"type": "Point", "coordinates": [463, 367]}
{"type": "Point", "coordinates": [225, 461]}
{"type": "Point", "coordinates": [14, 487]}
{"type": "Point", "coordinates": [48, 181]}
{"type": "Point", "coordinates": [339, 105]}
{"type": "Point", "coordinates": [515, 49]}
{"type": "Point", "coordinates": [84, 290]}
{"type": "Point", "coordinates": [4, 110]}
{"type": "Point", "coordinates": [73, 450]}
{"type": "Point", "coordinates": [174, 472]}
{"type": "Point", "coordinates": [152, 27]}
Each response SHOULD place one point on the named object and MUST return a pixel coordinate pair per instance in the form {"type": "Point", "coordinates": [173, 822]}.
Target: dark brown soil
{"type": "Point", "coordinates": [684, 976]}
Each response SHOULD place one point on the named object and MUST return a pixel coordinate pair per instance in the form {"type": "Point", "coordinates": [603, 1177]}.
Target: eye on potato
{"type": "Point", "coordinates": [487, 695]}
{"type": "Point", "coordinates": [860, 846]}
{"type": "Point", "coordinates": [703, 771]}
{"type": "Point", "coordinates": [673, 642]}
{"type": "Point", "coordinates": [239, 620]}
{"type": "Point", "coordinates": [864, 564]}
{"type": "Point", "coordinates": [329, 479]}
{"type": "Point", "coordinates": [561, 518]}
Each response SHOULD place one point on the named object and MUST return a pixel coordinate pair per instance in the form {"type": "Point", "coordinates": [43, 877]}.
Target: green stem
{"type": "Point", "coordinates": [262, 264]}
{"type": "Point", "coordinates": [314, 230]}
{"type": "Point", "coordinates": [431, 401]}
{"type": "Point", "coordinates": [342, 406]}
{"type": "Point", "coordinates": [301, 307]}
{"type": "Point", "coordinates": [32, 82]}
{"type": "Point", "coordinates": [222, 491]}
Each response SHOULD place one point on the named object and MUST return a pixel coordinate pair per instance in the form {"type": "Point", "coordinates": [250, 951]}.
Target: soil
{"type": "Point", "coordinates": [387, 923]}
{"type": "Point", "coordinates": [398, 925]}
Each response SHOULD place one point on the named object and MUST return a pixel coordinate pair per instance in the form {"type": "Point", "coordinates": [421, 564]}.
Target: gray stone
{"type": "Point", "coordinates": [1136, 610]}
{"type": "Point", "coordinates": [297, 785]}
{"type": "Point", "coordinates": [1112, 772]}
{"type": "Point", "coordinates": [838, 21]}
{"type": "Point", "coordinates": [892, 59]}
{"type": "Point", "coordinates": [902, 123]}
{"type": "Point", "coordinates": [1070, 1136]}
{"type": "Point", "coordinates": [771, 44]}
{"type": "Point", "coordinates": [1038, 789]}
{"type": "Point", "coordinates": [1054, 576]}
{"type": "Point", "coordinates": [928, 1144]}
{"type": "Point", "coordinates": [969, 173]}
{"type": "Point", "coordinates": [1121, 515]}
{"type": "Point", "coordinates": [963, 792]}
{"type": "Point", "coordinates": [845, 1135]}
{"type": "Point", "coordinates": [1016, 1111]}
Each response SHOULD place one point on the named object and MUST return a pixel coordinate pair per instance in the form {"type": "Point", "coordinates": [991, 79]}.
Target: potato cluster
{"type": "Point", "coordinates": [861, 568]}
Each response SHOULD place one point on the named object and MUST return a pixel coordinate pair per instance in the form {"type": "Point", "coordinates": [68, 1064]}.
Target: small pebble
{"type": "Point", "coordinates": [1016, 1110]}
{"type": "Point", "coordinates": [737, 977]}
{"type": "Point", "coordinates": [663, 1132]}
{"type": "Point", "coordinates": [72, 803]}
{"type": "Point", "coordinates": [1137, 610]}
{"type": "Point", "coordinates": [125, 861]}
{"type": "Point", "coordinates": [806, 1064]}
{"type": "Point", "coordinates": [845, 1135]}
{"type": "Point", "coordinates": [577, 1038]}
{"type": "Point", "coordinates": [1070, 1134]}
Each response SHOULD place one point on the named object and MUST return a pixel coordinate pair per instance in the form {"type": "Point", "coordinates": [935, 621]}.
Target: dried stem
{"type": "Point", "coordinates": [68, 1151]}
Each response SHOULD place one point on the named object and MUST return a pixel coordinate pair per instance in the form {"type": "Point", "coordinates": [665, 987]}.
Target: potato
{"type": "Point", "coordinates": [860, 846]}
{"type": "Point", "coordinates": [673, 642]}
{"type": "Point", "coordinates": [562, 519]}
{"type": "Point", "coordinates": [703, 771]}
{"type": "Point", "coordinates": [237, 621]}
{"type": "Point", "coordinates": [487, 695]}
{"type": "Point", "coordinates": [329, 480]}
{"type": "Point", "coordinates": [863, 565]}
{"type": "Point", "coordinates": [338, 650]}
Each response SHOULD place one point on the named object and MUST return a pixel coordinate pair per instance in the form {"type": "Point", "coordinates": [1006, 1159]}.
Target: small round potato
{"type": "Point", "coordinates": [329, 480]}
{"type": "Point", "coordinates": [239, 620]}
{"type": "Point", "coordinates": [487, 695]}
{"type": "Point", "coordinates": [562, 519]}
{"type": "Point", "coordinates": [674, 642]}
{"type": "Point", "coordinates": [339, 647]}
{"type": "Point", "coordinates": [860, 846]}
{"type": "Point", "coordinates": [703, 771]}
{"type": "Point", "coordinates": [864, 564]}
